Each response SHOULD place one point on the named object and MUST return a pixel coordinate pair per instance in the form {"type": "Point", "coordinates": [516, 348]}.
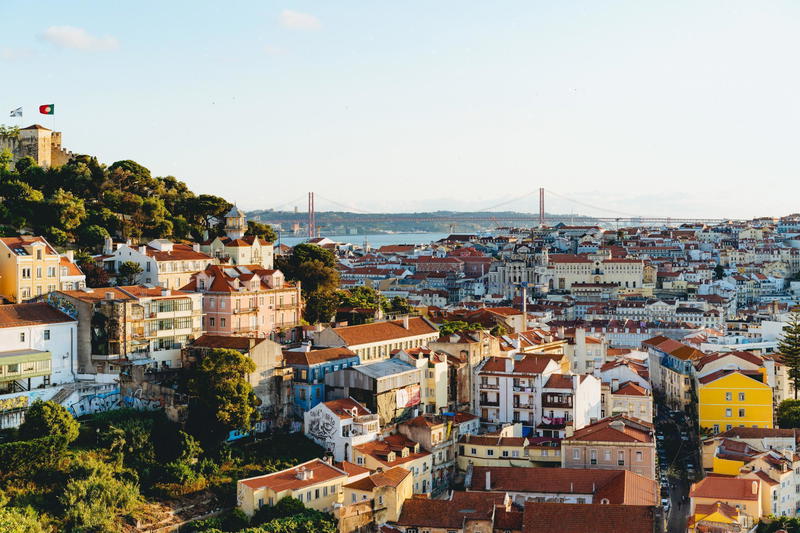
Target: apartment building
{"type": "Point", "coordinates": [309, 370]}
{"type": "Point", "coordinates": [376, 341]}
{"type": "Point", "coordinates": [435, 387]}
{"type": "Point", "coordinates": [131, 325]}
{"type": "Point", "coordinates": [30, 267]}
{"type": "Point", "coordinates": [163, 262]}
{"type": "Point", "coordinates": [728, 398]}
{"type": "Point", "coordinates": [236, 248]}
{"type": "Point", "coordinates": [339, 426]}
{"type": "Point", "coordinates": [398, 450]}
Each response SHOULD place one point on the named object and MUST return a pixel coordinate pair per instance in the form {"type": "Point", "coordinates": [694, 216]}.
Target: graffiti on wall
{"type": "Point", "coordinates": [95, 403]}
{"type": "Point", "coordinates": [137, 400]}
{"type": "Point", "coordinates": [62, 304]}
{"type": "Point", "coordinates": [16, 402]}
{"type": "Point", "coordinates": [321, 426]}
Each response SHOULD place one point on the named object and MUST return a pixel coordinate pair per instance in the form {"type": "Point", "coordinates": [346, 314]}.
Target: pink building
{"type": "Point", "coordinates": [248, 300]}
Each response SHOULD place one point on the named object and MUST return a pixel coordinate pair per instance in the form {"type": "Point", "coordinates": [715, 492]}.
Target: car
{"type": "Point", "coordinates": [660, 437]}
{"type": "Point", "coordinates": [665, 503]}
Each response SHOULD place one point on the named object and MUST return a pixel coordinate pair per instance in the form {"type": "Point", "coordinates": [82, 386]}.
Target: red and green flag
{"type": "Point", "coordinates": [47, 109]}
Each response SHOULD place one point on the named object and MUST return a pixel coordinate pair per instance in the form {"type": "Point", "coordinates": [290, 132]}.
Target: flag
{"type": "Point", "coordinates": [16, 112]}
{"type": "Point", "coordinates": [47, 109]}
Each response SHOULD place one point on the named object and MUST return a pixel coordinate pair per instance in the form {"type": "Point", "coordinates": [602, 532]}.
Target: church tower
{"type": "Point", "coordinates": [235, 223]}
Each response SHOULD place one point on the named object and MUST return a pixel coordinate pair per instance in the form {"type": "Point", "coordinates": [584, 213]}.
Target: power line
{"type": "Point", "coordinates": [590, 206]}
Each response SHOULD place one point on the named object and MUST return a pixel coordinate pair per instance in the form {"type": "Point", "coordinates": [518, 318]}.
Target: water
{"type": "Point", "coordinates": [375, 241]}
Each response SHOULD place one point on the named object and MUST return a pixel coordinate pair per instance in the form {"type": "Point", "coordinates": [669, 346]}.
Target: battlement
{"type": "Point", "coordinates": [38, 142]}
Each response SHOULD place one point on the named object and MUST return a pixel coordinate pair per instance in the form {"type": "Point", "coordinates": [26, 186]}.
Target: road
{"type": "Point", "coordinates": [675, 452]}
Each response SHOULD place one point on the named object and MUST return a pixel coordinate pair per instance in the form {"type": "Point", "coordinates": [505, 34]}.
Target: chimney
{"type": "Point", "coordinates": [196, 247]}
{"type": "Point", "coordinates": [109, 295]}
{"type": "Point", "coordinates": [143, 249]}
{"type": "Point", "coordinates": [405, 322]}
{"type": "Point", "coordinates": [755, 487]}
{"type": "Point", "coordinates": [70, 256]}
{"type": "Point", "coordinates": [614, 384]}
{"type": "Point", "coordinates": [488, 480]}
{"type": "Point", "coordinates": [108, 246]}
{"type": "Point", "coordinates": [165, 291]}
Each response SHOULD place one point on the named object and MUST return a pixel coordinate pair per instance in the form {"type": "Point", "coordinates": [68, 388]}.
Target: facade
{"type": "Point", "coordinates": [309, 370]}
{"type": "Point", "coordinates": [130, 325]}
{"type": "Point", "coordinates": [387, 490]}
{"type": "Point", "coordinates": [398, 450]}
{"type": "Point", "coordinates": [437, 436]}
{"type": "Point", "coordinates": [376, 341]}
{"type": "Point", "coordinates": [741, 494]}
{"type": "Point", "coordinates": [614, 443]}
{"type": "Point", "coordinates": [434, 391]}
{"type": "Point", "coordinates": [38, 347]}
{"type": "Point", "coordinates": [339, 426]}
{"type": "Point", "coordinates": [30, 267]}
{"type": "Point", "coordinates": [729, 398]}
{"type": "Point", "coordinates": [569, 269]}
{"type": "Point", "coordinates": [248, 300]}
{"type": "Point", "coordinates": [569, 402]}
{"type": "Point", "coordinates": [163, 262]}
{"type": "Point", "coordinates": [236, 248]}
{"type": "Point", "coordinates": [319, 485]}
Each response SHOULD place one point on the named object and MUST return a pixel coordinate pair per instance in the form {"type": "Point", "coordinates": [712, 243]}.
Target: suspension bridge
{"type": "Point", "coordinates": [306, 222]}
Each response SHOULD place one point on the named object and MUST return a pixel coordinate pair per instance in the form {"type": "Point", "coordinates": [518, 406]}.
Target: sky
{"type": "Point", "coordinates": [680, 108]}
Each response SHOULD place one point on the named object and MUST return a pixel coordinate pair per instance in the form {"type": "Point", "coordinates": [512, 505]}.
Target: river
{"type": "Point", "coordinates": [375, 241]}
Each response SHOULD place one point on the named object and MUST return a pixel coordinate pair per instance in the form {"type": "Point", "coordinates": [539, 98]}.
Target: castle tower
{"type": "Point", "coordinates": [235, 223]}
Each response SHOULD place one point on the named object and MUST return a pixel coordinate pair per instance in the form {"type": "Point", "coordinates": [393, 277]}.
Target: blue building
{"type": "Point", "coordinates": [310, 367]}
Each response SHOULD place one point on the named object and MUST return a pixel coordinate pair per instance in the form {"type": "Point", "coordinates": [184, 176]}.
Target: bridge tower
{"type": "Point", "coordinates": [312, 229]}
{"type": "Point", "coordinates": [541, 206]}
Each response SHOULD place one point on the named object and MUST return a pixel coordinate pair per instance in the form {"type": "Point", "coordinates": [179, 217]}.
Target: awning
{"type": "Point", "coordinates": [13, 357]}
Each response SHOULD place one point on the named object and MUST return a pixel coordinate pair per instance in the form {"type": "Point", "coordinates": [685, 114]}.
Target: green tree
{"type": "Point", "coordinates": [128, 273]}
{"type": "Point", "coordinates": [719, 272]}
{"type": "Point", "coordinates": [16, 520]}
{"type": "Point", "coordinates": [498, 330]}
{"type": "Point", "coordinates": [263, 231]}
{"type": "Point", "coordinates": [56, 236]}
{"type": "Point", "coordinates": [6, 157]}
{"type": "Point", "coordinates": [222, 398]}
{"type": "Point", "coordinates": [48, 419]}
{"type": "Point", "coordinates": [789, 348]}
{"type": "Point", "coordinates": [789, 414]}
{"type": "Point", "coordinates": [321, 306]}
{"type": "Point", "coordinates": [67, 209]}
{"type": "Point", "coordinates": [93, 236]}
{"type": "Point", "coordinates": [456, 326]}
{"type": "Point", "coordinates": [399, 305]}
{"type": "Point", "coordinates": [314, 276]}
{"type": "Point", "coordinates": [96, 276]}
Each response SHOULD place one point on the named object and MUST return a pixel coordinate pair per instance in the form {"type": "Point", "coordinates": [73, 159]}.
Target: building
{"type": "Point", "coordinates": [237, 248]}
{"type": "Point", "coordinates": [163, 262]}
{"type": "Point", "coordinates": [507, 448]}
{"type": "Point", "coordinates": [729, 398]}
{"type": "Point", "coordinates": [436, 435]}
{"type": "Point", "coordinates": [39, 347]}
{"type": "Point", "coordinates": [319, 485]}
{"type": "Point", "coordinates": [339, 426]}
{"type": "Point", "coordinates": [130, 325]}
{"type": "Point", "coordinates": [38, 142]}
{"type": "Point", "coordinates": [434, 390]}
{"type": "Point", "coordinates": [309, 370]}
{"type": "Point", "coordinates": [564, 485]}
{"type": "Point", "coordinates": [376, 341]}
{"type": "Point", "coordinates": [248, 300]}
{"type": "Point", "coordinates": [568, 269]}
{"type": "Point", "coordinates": [569, 402]}
{"type": "Point", "coordinates": [741, 494]}
{"type": "Point", "coordinates": [30, 267]}
{"type": "Point", "coordinates": [391, 388]}
{"type": "Point", "coordinates": [630, 399]}
{"type": "Point", "coordinates": [397, 450]}
{"type": "Point", "coordinates": [614, 443]}
{"type": "Point", "coordinates": [387, 490]}
{"type": "Point", "coordinates": [271, 380]}
{"type": "Point", "coordinates": [671, 369]}
{"type": "Point", "coordinates": [462, 512]}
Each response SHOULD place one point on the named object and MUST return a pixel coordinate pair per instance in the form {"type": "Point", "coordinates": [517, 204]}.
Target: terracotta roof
{"type": "Point", "coordinates": [449, 514]}
{"type": "Point", "coordinates": [752, 374]}
{"type": "Point", "coordinates": [72, 268]}
{"type": "Point", "coordinates": [352, 469]}
{"type": "Point", "coordinates": [587, 518]}
{"type": "Point", "coordinates": [36, 127]}
{"type": "Point", "coordinates": [179, 252]}
{"type": "Point", "coordinates": [30, 314]}
{"type": "Point", "coordinates": [343, 408]}
{"type": "Point", "coordinates": [389, 478]}
{"type": "Point", "coordinates": [630, 388]}
{"type": "Point", "coordinates": [618, 486]}
{"type": "Point", "coordinates": [757, 433]}
{"type": "Point", "coordinates": [725, 488]}
{"type": "Point", "coordinates": [99, 293]}
{"type": "Point", "coordinates": [224, 341]}
{"type": "Point", "coordinates": [559, 381]}
{"type": "Point", "coordinates": [384, 331]}
{"type": "Point", "coordinates": [288, 479]}
{"type": "Point", "coordinates": [615, 429]}
{"type": "Point", "coordinates": [22, 241]}
{"type": "Point", "coordinates": [315, 357]}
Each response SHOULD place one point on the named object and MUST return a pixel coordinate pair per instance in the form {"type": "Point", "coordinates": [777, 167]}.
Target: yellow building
{"type": "Point", "coordinates": [496, 450]}
{"type": "Point", "coordinates": [741, 494]}
{"type": "Point", "coordinates": [731, 398]}
{"type": "Point", "coordinates": [315, 483]}
{"type": "Point", "coordinates": [385, 490]}
{"type": "Point", "coordinates": [29, 267]}
{"type": "Point", "coordinates": [398, 450]}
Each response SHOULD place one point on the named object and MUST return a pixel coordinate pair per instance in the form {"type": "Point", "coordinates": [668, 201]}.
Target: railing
{"type": "Point", "coordinates": [489, 386]}
{"type": "Point", "coordinates": [522, 389]}
{"type": "Point", "coordinates": [242, 310]}
{"type": "Point", "coordinates": [524, 406]}
{"type": "Point", "coordinates": [495, 403]}
{"type": "Point", "coordinates": [563, 403]}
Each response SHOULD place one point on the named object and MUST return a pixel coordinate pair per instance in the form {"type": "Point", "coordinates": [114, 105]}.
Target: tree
{"type": "Point", "coordinates": [456, 326]}
{"type": "Point", "coordinates": [15, 520]}
{"type": "Point", "coordinates": [789, 348]}
{"type": "Point", "coordinates": [48, 419]}
{"type": "Point", "coordinates": [128, 273]}
{"type": "Point", "coordinates": [719, 272]}
{"type": "Point", "coordinates": [222, 398]}
{"type": "Point", "coordinates": [321, 306]}
{"type": "Point", "coordinates": [263, 231]}
{"type": "Point", "coordinates": [96, 276]}
{"type": "Point", "coordinates": [399, 305]}
{"type": "Point", "coordinates": [498, 330]}
{"type": "Point", "coordinates": [315, 276]}
{"type": "Point", "coordinates": [6, 157]}
{"type": "Point", "coordinates": [789, 414]}
{"type": "Point", "coordinates": [68, 211]}
{"type": "Point", "coordinates": [92, 236]}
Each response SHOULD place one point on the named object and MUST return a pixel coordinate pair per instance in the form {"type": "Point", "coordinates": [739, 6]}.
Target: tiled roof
{"type": "Point", "coordinates": [352, 469]}
{"type": "Point", "coordinates": [757, 433]}
{"type": "Point", "coordinates": [288, 479]}
{"type": "Point", "coordinates": [618, 486]}
{"type": "Point", "coordinates": [179, 252]}
{"type": "Point", "coordinates": [389, 478]}
{"type": "Point", "coordinates": [23, 241]}
{"type": "Point", "coordinates": [315, 357]}
{"type": "Point", "coordinates": [587, 518]}
{"type": "Point", "coordinates": [631, 389]}
{"type": "Point", "coordinates": [609, 430]}
{"type": "Point", "coordinates": [752, 374]}
{"type": "Point", "coordinates": [449, 514]}
{"type": "Point", "coordinates": [99, 293]}
{"type": "Point", "coordinates": [72, 268]}
{"type": "Point", "coordinates": [384, 331]}
{"type": "Point", "coordinates": [559, 381]}
{"type": "Point", "coordinates": [225, 341]}
{"type": "Point", "coordinates": [725, 488]}
{"type": "Point", "coordinates": [30, 314]}
{"type": "Point", "coordinates": [343, 408]}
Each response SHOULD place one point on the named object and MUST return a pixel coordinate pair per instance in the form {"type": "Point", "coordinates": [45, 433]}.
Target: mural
{"type": "Point", "coordinates": [321, 426]}
{"type": "Point", "coordinates": [62, 304]}
{"type": "Point", "coordinates": [17, 402]}
{"type": "Point", "coordinates": [95, 403]}
{"type": "Point", "coordinates": [408, 396]}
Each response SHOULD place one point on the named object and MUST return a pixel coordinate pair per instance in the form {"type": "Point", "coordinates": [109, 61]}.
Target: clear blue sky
{"type": "Point", "coordinates": [679, 108]}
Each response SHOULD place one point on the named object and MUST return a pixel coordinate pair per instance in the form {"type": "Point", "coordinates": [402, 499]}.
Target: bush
{"type": "Point", "coordinates": [48, 419]}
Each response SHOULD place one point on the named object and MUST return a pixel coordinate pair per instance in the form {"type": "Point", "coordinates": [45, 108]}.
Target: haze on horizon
{"type": "Point", "coordinates": [649, 108]}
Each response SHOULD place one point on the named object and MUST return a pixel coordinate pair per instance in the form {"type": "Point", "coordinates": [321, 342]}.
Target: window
{"type": "Point", "coordinates": [51, 272]}
{"type": "Point", "coordinates": [620, 458]}
{"type": "Point", "coordinates": [741, 396]}
{"type": "Point", "coordinates": [576, 454]}
{"type": "Point", "coordinates": [222, 322]}
{"type": "Point", "coordinates": [728, 396]}
{"type": "Point", "coordinates": [490, 452]}
{"type": "Point", "coordinates": [316, 493]}
{"type": "Point", "coordinates": [728, 412]}
{"type": "Point", "coordinates": [260, 502]}
{"type": "Point", "coordinates": [360, 461]}
{"type": "Point", "coordinates": [474, 451]}
{"type": "Point", "coordinates": [607, 455]}
{"type": "Point", "coordinates": [211, 322]}
{"type": "Point", "coordinates": [593, 457]}
{"type": "Point", "coordinates": [716, 428]}
{"type": "Point", "coordinates": [26, 273]}
{"type": "Point", "coordinates": [741, 413]}
{"type": "Point", "coordinates": [22, 336]}
{"type": "Point", "coordinates": [47, 334]}
{"type": "Point", "coordinates": [638, 457]}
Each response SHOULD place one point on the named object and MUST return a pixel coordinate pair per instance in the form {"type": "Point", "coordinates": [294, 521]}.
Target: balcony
{"type": "Point", "coordinates": [562, 402]}
{"type": "Point", "coordinates": [522, 389]}
{"type": "Point", "coordinates": [555, 422]}
{"type": "Point", "coordinates": [524, 406]}
{"type": "Point", "coordinates": [24, 364]}
{"type": "Point", "coordinates": [490, 386]}
{"type": "Point", "coordinates": [245, 310]}
{"type": "Point", "coordinates": [495, 403]}
{"type": "Point", "coordinates": [290, 305]}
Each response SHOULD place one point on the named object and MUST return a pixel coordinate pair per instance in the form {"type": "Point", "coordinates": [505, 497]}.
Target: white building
{"type": "Point", "coordinates": [339, 425]}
